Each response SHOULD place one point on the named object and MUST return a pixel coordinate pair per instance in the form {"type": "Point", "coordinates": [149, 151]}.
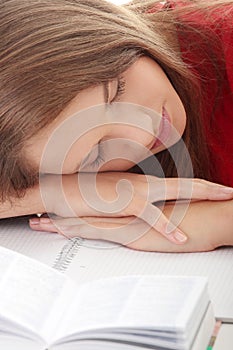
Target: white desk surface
{"type": "Point", "coordinates": [224, 340]}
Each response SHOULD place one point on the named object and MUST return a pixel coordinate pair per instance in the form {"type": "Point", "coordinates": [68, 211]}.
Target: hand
{"type": "Point", "coordinates": [147, 189]}
{"type": "Point", "coordinates": [204, 226]}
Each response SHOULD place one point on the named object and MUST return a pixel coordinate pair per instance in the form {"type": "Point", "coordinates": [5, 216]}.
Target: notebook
{"type": "Point", "coordinates": [86, 260]}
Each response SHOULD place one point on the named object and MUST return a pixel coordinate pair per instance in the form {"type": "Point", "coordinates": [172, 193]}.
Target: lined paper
{"type": "Point", "coordinates": [85, 260]}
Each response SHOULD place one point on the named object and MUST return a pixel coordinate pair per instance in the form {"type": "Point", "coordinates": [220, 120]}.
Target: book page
{"type": "Point", "coordinates": [31, 294]}
{"type": "Point", "coordinates": [152, 302]}
{"type": "Point", "coordinates": [85, 260]}
{"type": "Point", "coordinates": [97, 260]}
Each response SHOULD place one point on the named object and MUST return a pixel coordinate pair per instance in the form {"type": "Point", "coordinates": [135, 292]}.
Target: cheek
{"type": "Point", "coordinates": [137, 135]}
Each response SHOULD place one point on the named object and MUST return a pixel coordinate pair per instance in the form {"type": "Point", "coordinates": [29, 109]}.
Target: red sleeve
{"type": "Point", "coordinates": [227, 39]}
{"type": "Point", "coordinates": [224, 114]}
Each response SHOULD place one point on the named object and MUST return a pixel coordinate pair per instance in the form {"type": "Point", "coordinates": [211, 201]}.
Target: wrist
{"type": "Point", "coordinates": [59, 194]}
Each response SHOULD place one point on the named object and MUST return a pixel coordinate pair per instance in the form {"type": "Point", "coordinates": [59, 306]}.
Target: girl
{"type": "Point", "coordinates": [67, 66]}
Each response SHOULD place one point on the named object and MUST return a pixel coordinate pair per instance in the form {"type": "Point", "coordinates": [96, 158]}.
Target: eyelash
{"type": "Point", "coordinates": [99, 159]}
{"type": "Point", "coordinates": [96, 163]}
{"type": "Point", "coordinates": [120, 89]}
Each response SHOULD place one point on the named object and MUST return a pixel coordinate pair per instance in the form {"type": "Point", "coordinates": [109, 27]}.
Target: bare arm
{"type": "Point", "coordinates": [208, 225]}
{"type": "Point", "coordinates": [31, 203]}
{"type": "Point", "coordinates": [203, 222]}
{"type": "Point", "coordinates": [63, 193]}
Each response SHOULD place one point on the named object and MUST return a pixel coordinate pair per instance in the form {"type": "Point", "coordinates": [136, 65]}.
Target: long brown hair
{"type": "Point", "coordinates": [52, 50]}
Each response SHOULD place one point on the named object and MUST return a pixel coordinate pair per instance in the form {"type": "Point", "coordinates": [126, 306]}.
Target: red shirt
{"type": "Point", "coordinates": [220, 134]}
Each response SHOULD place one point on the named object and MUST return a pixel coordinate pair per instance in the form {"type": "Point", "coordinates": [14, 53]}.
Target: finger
{"type": "Point", "coordinates": [54, 223]}
{"type": "Point", "coordinates": [154, 217]}
{"type": "Point", "coordinates": [85, 219]}
{"type": "Point", "coordinates": [105, 229]}
{"type": "Point", "coordinates": [151, 241]}
{"type": "Point", "coordinates": [118, 230]}
{"type": "Point", "coordinates": [182, 188]}
{"type": "Point", "coordinates": [47, 225]}
{"type": "Point", "coordinates": [73, 227]}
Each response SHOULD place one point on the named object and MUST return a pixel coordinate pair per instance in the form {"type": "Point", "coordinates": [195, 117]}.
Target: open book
{"type": "Point", "coordinates": [41, 308]}
{"type": "Point", "coordinates": [87, 260]}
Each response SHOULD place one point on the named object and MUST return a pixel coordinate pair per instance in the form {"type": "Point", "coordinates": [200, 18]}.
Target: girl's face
{"type": "Point", "coordinates": [143, 84]}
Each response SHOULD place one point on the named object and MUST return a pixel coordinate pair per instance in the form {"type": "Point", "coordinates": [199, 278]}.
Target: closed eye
{"type": "Point", "coordinates": [99, 160]}
{"type": "Point", "coordinates": [97, 152]}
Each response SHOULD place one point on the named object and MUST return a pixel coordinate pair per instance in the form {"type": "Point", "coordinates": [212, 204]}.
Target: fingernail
{"type": "Point", "coordinates": [179, 236]}
{"type": "Point", "coordinates": [34, 221]}
{"type": "Point", "coordinates": [227, 190]}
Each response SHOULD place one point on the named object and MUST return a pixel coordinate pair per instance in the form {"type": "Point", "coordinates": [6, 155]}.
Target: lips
{"type": "Point", "coordinates": [164, 129]}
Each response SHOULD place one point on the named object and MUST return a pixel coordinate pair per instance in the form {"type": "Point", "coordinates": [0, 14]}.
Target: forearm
{"type": "Point", "coordinates": [54, 194]}
{"type": "Point", "coordinates": [31, 203]}
{"type": "Point", "coordinates": [57, 194]}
